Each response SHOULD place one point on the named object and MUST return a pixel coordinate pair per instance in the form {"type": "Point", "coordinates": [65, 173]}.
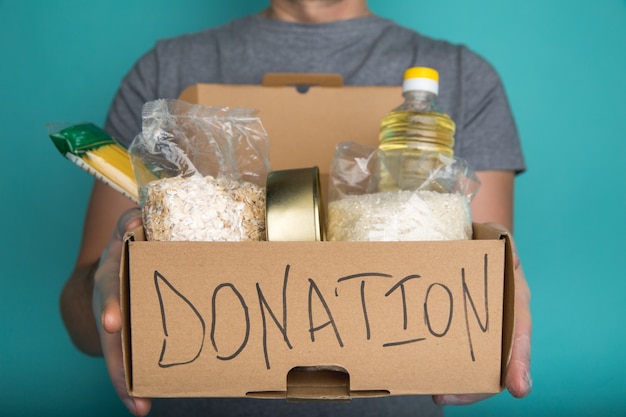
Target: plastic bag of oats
{"type": "Point", "coordinates": [201, 172]}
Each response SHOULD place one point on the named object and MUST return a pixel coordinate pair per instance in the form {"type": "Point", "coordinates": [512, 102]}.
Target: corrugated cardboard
{"type": "Point", "coordinates": [311, 320]}
{"type": "Point", "coordinates": [304, 128]}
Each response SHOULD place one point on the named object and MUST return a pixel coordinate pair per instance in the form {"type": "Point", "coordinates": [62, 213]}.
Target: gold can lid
{"type": "Point", "coordinates": [294, 210]}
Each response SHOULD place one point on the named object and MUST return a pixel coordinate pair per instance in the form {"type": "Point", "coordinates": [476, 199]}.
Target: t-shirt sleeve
{"type": "Point", "coordinates": [487, 134]}
{"type": "Point", "coordinates": [139, 86]}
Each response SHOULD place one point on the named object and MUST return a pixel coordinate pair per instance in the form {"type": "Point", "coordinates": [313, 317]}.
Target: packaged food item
{"type": "Point", "coordinates": [204, 209]}
{"type": "Point", "coordinates": [294, 206]}
{"type": "Point", "coordinates": [202, 172]}
{"type": "Point", "coordinates": [412, 187]}
{"type": "Point", "coordinates": [402, 215]}
{"type": "Point", "coordinates": [359, 210]}
{"type": "Point", "coordinates": [415, 133]}
{"type": "Point", "coordinates": [94, 150]}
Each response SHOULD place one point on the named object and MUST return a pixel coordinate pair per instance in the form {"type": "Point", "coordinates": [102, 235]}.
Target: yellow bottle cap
{"type": "Point", "coordinates": [421, 72]}
{"type": "Point", "coordinates": [421, 78]}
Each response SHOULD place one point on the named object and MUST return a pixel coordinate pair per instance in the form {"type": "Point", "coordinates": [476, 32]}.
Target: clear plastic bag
{"type": "Point", "coordinates": [201, 172]}
{"type": "Point", "coordinates": [362, 206]}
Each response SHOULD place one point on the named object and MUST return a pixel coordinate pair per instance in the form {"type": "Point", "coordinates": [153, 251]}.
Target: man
{"type": "Point", "coordinates": [340, 36]}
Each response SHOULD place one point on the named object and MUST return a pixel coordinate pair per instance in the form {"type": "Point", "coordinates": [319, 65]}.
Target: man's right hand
{"type": "Point", "coordinates": [106, 309]}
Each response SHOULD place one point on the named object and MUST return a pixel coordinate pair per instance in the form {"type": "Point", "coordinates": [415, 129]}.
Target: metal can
{"type": "Point", "coordinates": [294, 209]}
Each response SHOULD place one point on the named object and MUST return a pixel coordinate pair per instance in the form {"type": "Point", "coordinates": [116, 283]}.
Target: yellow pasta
{"type": "Point", "coordinates": [93, 150]}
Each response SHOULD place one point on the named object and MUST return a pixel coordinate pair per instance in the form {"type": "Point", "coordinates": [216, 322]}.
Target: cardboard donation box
{"type": "Point", "coordinates": [315, 320]}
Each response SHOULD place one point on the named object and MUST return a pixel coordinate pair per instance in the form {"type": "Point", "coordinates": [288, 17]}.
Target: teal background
{"type": "Point", "coordinates": [562, 63]}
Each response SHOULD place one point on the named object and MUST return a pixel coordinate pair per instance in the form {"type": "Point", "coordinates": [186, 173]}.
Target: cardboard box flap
{"type": "Point", "coordinates": [508, 325]}
{"type": "Point", "coordinates": [304, 80]}
{"type": "Point", "coordinates": [125, 307]}
{"type": "Point", "coordinates": [484, 231]}
{"type": "Point", "coordinates": [135, 234]}
{"type": "Point", "coordinates": [305, 128]}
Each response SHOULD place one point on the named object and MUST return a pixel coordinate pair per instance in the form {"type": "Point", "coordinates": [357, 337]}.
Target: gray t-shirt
{"type": "Point", "coordinates": [365, 51]}
{"type": "Point", "coordinates": [396, 406]}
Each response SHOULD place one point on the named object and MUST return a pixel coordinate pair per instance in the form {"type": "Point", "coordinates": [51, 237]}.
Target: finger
{"type": "Point", "coordinates": [460, 399]}
{"type": "Point", "coordinates": [106, 297]}
{"type": "Point", "coordinates": [106, 280]}
{"type": "Point", "coordinates": [142, 406]}
{"type": "Point", "coordinates": [518, 379]}
{"type": "Point", "coordinates": [516, 261]}
{"type": "Point", "coordinates": [107, 307]}
{"type": "Point", "coordinates": [112, 316]}
{"type": "Point", "coordinates": [112, 348]}
{"type": "Point", "coordinates": [129, 220]}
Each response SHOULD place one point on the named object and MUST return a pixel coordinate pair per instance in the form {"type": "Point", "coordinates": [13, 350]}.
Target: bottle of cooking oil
{"type": "Point", "coordinates": [414, 135]}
